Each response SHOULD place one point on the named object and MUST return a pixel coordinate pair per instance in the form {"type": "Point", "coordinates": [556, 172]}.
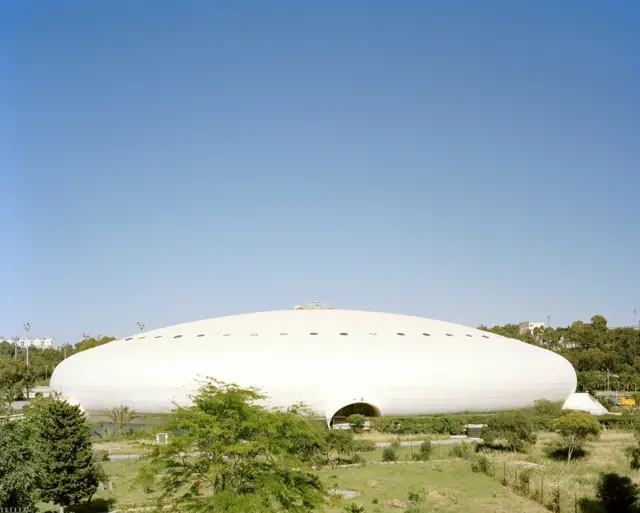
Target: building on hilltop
{"type": "Point", "coordinates": [530, 326]}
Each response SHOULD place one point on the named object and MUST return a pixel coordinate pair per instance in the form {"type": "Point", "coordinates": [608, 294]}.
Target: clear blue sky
{"type": "Point", "coordinates": [476, 162]}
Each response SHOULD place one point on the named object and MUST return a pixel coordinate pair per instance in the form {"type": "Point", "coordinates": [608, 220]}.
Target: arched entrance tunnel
{"type": "Point", "coordinates": [366, 409]}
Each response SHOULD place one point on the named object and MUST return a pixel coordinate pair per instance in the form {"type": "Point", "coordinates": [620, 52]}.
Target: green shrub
{"type": "Point", "coordinates": [395, 445]}
{"type": "Point", "coordinates": [388, 454]}
{"type": "Point", "coordinates": [464, 450]}
{"type": "Point", "coordinates": [364, 445]}
{"type": "Point", "coordinates": [633, 453]}
{"type": "Point", "coordinates": [546, 408]}
{"type": "Point", "coordinates": [356, 422]}
{"type": "Point", "coordinates": [425, 451]}
{"type": "Point", "coordinates": [480, 463]}
{"type": "Point", "coordinates": [513, 430]}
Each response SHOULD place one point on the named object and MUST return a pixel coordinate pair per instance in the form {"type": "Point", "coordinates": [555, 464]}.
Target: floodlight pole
{"type": "Point", "coordinates": [27, 328]}
{"type": "Point", "coordinates": [15, 346]}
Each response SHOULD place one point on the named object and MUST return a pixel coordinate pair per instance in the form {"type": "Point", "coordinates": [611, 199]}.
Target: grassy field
{"type": "Point", "coordinates": [447, 481]}
{"type": "Point", "coordinates": [447, 486]}
{"type": "Point", "coordinates": [574, 480]}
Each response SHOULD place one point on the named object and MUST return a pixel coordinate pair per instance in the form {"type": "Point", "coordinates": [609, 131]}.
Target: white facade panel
{"type": "Point", "coordinates": [399, 364]}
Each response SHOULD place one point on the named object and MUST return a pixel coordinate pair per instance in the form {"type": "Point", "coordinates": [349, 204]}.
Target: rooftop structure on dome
{"type": "Point", "coordinates": [335, 361]}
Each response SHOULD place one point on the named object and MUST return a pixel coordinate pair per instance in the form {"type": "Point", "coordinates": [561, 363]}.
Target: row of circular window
{"type": "Point", "coordinates": [312, 333]}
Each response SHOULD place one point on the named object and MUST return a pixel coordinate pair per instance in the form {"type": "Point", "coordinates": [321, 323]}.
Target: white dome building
{"type": "Point", "coordinates": [329, 359]}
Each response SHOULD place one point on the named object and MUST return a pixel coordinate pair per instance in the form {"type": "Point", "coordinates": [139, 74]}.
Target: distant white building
{"type": "Point", "coordinates": [530, 326]}
{"type": "Point", "coordinates": [42, 343]}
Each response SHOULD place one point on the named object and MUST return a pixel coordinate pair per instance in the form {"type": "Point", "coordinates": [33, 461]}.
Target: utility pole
{"type": "Point", "coordinates": [27, 328]}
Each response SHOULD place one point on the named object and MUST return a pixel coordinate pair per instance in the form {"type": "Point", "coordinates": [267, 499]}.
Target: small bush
{"type": "Point", "coordinates": [463, 450]}
{"type": "Point", "coordinates": [356, 422]}
{"type": "Point", "coordinates": [524, 481]}
{"type": "Point", "coordinates": [395, 445]}
{"type": "Point", "coordinates": [388, 454]}
{"type": "Point", "coordinates": [480, 463]}
{"type": "Point", "coordinates": [554, 502]}
{"type": "Point", "coordinates": [425, 451]}
{"type": "Point", "coordinates": [364, 445]}
{"type": "Point", "coordinates": [633, 453]}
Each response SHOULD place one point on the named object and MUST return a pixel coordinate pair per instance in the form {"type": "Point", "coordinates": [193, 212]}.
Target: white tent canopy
{"type": "Point", "coordinates": [584, 402]}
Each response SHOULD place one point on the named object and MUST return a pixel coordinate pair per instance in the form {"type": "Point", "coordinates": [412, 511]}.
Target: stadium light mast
{"type": "Point", "coordinates": [27, 328]}
{"type": "Point", "coordinates": [140, 325]}
{"type": "Point", "coordinates": [15, 346]}
{"type": "Point", "coordinates": [548, 321]}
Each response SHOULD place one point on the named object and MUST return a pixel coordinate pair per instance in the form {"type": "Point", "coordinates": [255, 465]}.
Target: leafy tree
{"type": "Point", "coordinates": [63, 437]}
{"type": "Point", "coordinates": [230, 454]}
{"type": "Point", "coordinates": [356, 421]}
{"type": "Point", "coordinates": [617, 494]}
{"type": "Point", "coordinates": [546, 408]}
{"type": "Point", "coordinates": [18, 471]}
{"type": "Point", "coordinates": [575, 428]}
{"type": "Point", "coordinates": [12, 376]}
{"type": "Point", "coordinates": [121, 416]}
{"type": "Point", "coordinates": [513, 429]}
{"type": "Point", "coordinates": [340, 441]}
{"type": "Point", "coordinates": [92, 342]}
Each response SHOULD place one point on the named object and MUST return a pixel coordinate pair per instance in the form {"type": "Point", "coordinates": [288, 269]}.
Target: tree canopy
{"type": "Point", "coordinates": [228, 453]}
{"type": "Point", "coordinates": [19, 473]}
{"type": "Point", "coordinates": [575, 428]}
{"type": "Point", "coordinates": [62, 434]}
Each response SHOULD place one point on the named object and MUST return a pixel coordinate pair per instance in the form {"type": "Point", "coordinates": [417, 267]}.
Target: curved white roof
{"type": "Point", "coordinates": [400, 364]}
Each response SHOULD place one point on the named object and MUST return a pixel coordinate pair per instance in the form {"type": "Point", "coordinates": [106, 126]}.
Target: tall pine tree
{"type": "Point", "coordinates": [63, 435]}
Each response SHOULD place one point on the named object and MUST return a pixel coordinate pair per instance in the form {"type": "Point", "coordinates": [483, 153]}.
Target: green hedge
{"type": "Point", "coordinates": [432, 424]}
{"type": "Point", "coordinates": [455, 424]}
{"type": "Point", "coordinates": [616, 421]}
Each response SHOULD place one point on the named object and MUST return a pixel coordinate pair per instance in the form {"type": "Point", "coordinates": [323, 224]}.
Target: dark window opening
{"type": "Point", "coordinates": [201, 335]}
{"type": "Point", "coordinates": [401, 334]}
{"type": "Point", "coordinates": [178, 336]}
{"type": "Point", "coordinates": [366, 409]}
{"type": "Point", "coordinates": [344, 334]}
{"type": "Point", "coordinates": [130, 338]}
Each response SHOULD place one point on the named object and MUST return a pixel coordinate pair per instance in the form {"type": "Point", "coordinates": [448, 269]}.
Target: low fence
{"type": "Point", "coordinates": [527, 479]}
